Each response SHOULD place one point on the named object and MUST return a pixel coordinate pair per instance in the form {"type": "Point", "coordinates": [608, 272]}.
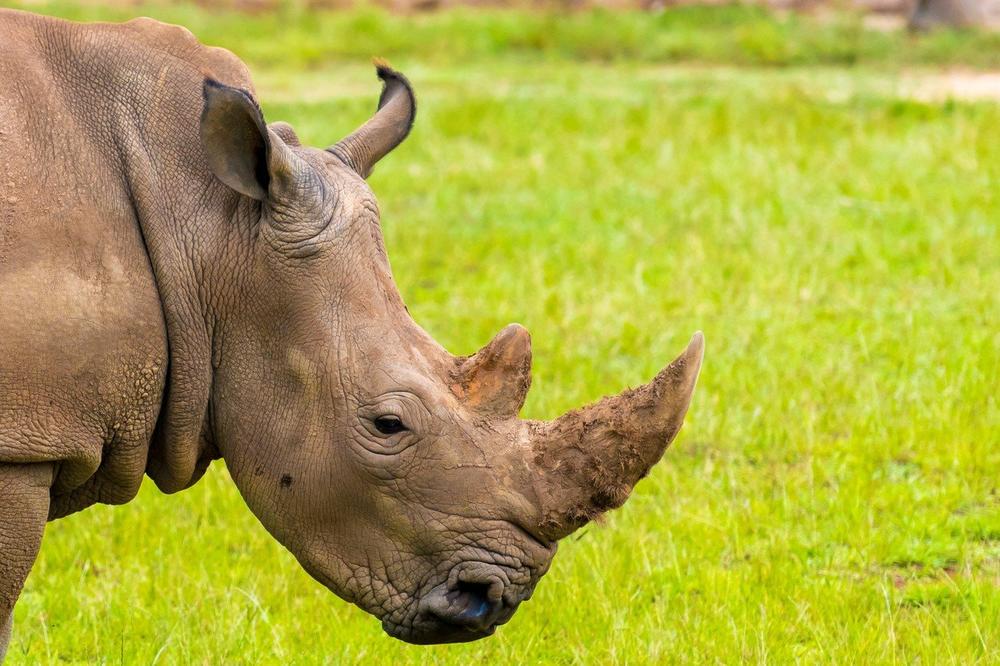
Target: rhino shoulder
{"type": "Point", "coordinates": [179, 42]}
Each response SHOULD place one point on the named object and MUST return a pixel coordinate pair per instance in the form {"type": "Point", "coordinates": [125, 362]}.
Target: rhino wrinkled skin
{"type": "Point", "coordinates": [181, 282]}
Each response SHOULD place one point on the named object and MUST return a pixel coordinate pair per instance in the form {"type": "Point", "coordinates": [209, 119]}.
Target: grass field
{"type": "Point", "coordinates": [834, 495]}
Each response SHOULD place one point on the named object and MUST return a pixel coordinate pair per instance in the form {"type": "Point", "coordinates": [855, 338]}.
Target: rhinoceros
{"type": "Point", "coordinates": [182, 282]}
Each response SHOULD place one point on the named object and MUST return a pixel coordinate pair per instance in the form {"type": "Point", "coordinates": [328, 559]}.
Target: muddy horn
{"type": "Point", "coordinates": [588, 460]}
{"type": "Point", "coordinates": [397, 108]}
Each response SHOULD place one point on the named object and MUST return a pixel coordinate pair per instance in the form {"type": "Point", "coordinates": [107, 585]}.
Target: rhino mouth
{"type": "Point", "coordinates": [467, 612]}
{"type": "Point", "coordinates": [475, 599]}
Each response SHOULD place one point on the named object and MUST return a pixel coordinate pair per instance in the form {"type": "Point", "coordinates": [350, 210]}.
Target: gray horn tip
{"type": "Point", "coordinates": [689, 361]}
{"type": "Point", "coordinates": [696, 347]}
{"type": "Point", "coordinates": [681, 376]}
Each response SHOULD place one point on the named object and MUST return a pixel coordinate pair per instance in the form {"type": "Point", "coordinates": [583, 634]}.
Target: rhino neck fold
{"type": "Point", "coordinates": [187, 219]}
{"type": "Point", "coordinates": [191, 273]}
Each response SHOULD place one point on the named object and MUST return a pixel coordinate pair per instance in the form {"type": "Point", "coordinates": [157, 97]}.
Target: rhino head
{"type": "Point", "coordinates": [399, 475]}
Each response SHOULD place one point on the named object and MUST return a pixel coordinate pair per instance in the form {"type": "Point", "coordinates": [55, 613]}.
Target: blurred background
{"type": "Point", "coordinates": [815, 184]}
{"type": "Point", "coordinates": [939, 12]}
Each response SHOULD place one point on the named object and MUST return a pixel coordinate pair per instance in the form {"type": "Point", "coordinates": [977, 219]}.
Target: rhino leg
{"type": "Point", "coordinates": [5, 636]}
{"type": "Point", "coordinates": [24, 509]}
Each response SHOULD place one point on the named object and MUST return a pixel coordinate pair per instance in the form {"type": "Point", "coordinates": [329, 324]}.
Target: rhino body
{"type": "Point", "coordinates": [181, 282]}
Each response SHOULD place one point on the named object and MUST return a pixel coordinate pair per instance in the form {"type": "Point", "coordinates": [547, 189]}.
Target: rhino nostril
{"type": "Point", "coordinates": [474, 606]}
{"type": "Point", "coordinates": [477, 596]}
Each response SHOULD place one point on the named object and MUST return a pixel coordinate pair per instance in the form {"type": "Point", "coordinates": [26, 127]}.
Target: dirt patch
{"type": "Point", "coordinates": [955, 84]}
{"type": "Point", "coordinates": [885, 22]}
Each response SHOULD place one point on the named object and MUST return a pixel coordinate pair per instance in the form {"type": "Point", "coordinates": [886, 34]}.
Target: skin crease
{"type": "Point", "coordinates": [180, 282]}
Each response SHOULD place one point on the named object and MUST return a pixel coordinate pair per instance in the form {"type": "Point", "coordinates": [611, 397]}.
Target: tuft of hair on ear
{"type": "Point", "coordinates": [393, 82]}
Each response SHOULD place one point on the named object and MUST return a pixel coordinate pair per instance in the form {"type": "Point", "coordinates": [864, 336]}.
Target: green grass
{"type": "Point", "coordinates": [834, 495]}
{"type": "Point", "coordinates": [290, 36]}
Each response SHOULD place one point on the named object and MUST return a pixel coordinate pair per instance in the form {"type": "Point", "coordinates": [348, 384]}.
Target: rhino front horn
{"type": "Point", "coordinates": [588, 460]}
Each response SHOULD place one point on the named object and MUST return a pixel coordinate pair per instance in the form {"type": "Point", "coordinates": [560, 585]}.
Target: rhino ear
{"type": "Point", "coordinates": [397, 109]}
{"type": "Point", "coordinates": [241, 152]}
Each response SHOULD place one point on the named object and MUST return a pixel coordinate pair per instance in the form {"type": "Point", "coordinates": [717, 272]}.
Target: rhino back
{"type": "Point", "coordinates": [87, 149]}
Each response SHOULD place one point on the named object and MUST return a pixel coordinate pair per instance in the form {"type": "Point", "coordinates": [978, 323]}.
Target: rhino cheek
{"type": "Point", "coordinates": [367, 569]}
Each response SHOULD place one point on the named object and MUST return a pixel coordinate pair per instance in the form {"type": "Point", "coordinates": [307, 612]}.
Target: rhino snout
{"type": "Point", "coordinates": [475, 600]}
{"type": "Point", "coordinates": [470, 606]}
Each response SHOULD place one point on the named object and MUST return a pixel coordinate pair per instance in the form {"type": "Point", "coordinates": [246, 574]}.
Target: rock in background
{"type": "Point", "coordinates": [930, 14]}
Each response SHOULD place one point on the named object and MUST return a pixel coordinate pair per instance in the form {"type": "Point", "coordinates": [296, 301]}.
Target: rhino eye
{"type": "Point", "coordinates": [389, 425]}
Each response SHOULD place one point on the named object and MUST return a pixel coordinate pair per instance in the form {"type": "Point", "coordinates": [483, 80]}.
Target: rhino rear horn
{"type": "Point", "coordinates": [497, 378]}
{"type": "Point", "coordinates": [397, 109]}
